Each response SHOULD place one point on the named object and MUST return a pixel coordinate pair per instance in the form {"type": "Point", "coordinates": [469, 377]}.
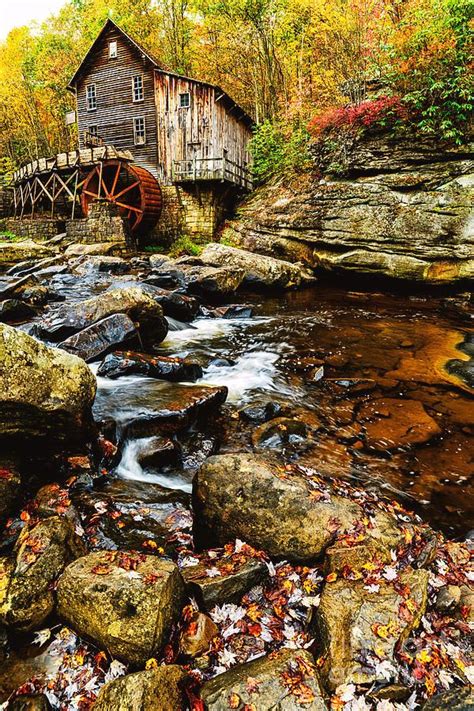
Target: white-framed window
{"type": "Point", "coordinates": [139, 131]}
{"type": "Point", "coordinates": [91, 97]}
{"type": "Point", "coordinates": [185, 100]}
{"type": "Point", "coordinates": [137, 88]}
{"type": "Point", "coordinates": [112, 50]}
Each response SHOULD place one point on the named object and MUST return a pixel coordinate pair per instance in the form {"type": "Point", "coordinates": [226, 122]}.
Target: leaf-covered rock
{"type": "Point", "coordinates": [148, 690]}
{"type": "Point", "coordinates": [283, 680]}
{"type": "Point", "coordinates": [125, 602]}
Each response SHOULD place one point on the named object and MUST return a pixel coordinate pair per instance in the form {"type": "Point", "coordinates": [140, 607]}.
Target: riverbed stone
{"type": "Point", "coordinates": [132, 301]}
{"type": "Point", "coordinates": [265, 684]}
{"type": "Point", "coordinates": [14, 310]}
{"type": "Point", "coordinates": [29, 702]}
{"type": "Point", "coordinates": [41, 553]}
{"type": "Point", "coordinates": [168, 410]}
{"type": "Point", "coordinates": [162, 367]}
{"type": "Point", "coordinates": [225, 585]}
{"type": "Point", "coordinates": [458, 699]}
{"type": "Point", "coordinates": [280, 432]}
{"type": "Point", "coordinates": [44, 392]}
{"type": "Point", "coordinates": [244, 496]}
{"type": "Point", "coordinates": [211, 280]}
{"type": "Point", "coordinates": [125, 602]}
{"type": "Point", "coordinates": [148, 690]}
{"type": "Point", "coordinates": [355, 624]}
{"type": "Point", "coordinates": [259, 270]}
{"type": "Point", "coordinates": [178, 306]}
{"type": "Point", "coordinates": [391, 423]}
{"type": "Point", "coordinates": [96, 340]}
{"type": "Point", "coordinates": [196, 637]}
{"type": "Point", "coordinates": [13, 252]}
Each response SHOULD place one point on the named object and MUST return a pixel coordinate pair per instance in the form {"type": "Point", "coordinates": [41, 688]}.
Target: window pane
{"type": "Point", "coordinates": [139, 133]}
{"type": "Point", "coordinates": [112, 50]}
{"type": "Point", "coordinates": [184, 100]}
{"type": "Point", "coordinates": [137, 85]}
{"type": "Point", "coordinates": [91, 97]}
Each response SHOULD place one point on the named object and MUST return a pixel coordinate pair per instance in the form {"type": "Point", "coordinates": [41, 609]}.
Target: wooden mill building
{"type": "Point", "coordinates": [169, 151]}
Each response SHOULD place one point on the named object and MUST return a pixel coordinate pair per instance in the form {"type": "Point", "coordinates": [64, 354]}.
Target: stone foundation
{"type": "Point", "coordinates": [37, 229]}
{"type": "Point", "coordinates": [103, 224]}
{"type": "Point", "coordinates": [197, 210]}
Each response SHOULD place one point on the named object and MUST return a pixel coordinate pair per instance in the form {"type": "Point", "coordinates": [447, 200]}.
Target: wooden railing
{"type": "Point", "coordinates": [195, 169]}
{"type": "Point", "coordinates": [92, 140]}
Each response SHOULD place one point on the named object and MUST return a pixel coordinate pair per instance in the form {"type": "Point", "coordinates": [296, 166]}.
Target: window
{"type": "Point", "coordinates": [139, 133]}
{"type": "Point", "coordinates": [185, 100]}
{"type": "Point", "coordinates": [94, 130]}
{"type": "Point", "coordinates": [112, 50]}
{"type": "Point", "coordinates": [137, 88]}
{"type": "Point", "coordinates": [91, 97]}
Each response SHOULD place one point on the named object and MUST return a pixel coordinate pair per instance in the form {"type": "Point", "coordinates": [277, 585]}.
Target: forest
{"type": "Point", "coordinates": [302, 68]}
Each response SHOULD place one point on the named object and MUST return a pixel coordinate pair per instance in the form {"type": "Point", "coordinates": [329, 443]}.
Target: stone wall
{"type": "Point", "coordinates": [103, 224]}
{"type": "Point", "coordinates": [197, 210]}
{"type": "Point", "coordinates": [401, 209]}
{"type": "Point", "coordinates": [6, 202]}
{"type": "Point", "coordinates": [37, 229]}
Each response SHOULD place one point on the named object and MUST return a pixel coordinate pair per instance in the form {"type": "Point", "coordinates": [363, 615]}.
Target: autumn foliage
{"type": "Point", "coordinates": [381, 112]}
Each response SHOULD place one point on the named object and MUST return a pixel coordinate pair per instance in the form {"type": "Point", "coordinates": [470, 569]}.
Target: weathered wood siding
{"type": "Point", "coordinates": [204, 130]}
{"type": "Point", "coordinates": [115, 109]}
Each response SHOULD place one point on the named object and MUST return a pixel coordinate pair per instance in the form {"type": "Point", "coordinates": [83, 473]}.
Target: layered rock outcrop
{"type": "Point", "coordinates": [396, 209]}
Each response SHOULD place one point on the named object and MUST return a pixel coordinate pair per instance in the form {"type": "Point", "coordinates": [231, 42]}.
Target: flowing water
{"type": "Point", "coordinates": [326, 356]}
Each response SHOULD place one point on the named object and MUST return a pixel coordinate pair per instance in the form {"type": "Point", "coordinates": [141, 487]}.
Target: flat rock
{"type": "Point", "coordinates": [265, 684]}
{"type": "Point", "coordinates": [390, 423]}
{"type": "Point", "coordinates": [205, 280]}
{"type": "Point", "coordinates": [161, 408]}
{"type": "Point", "coordinates": [161, 367]}
{"type": "Point", "coordinates": [13, 252]}
{"type": "Point", "coordinates": [144, 691]}
{"type": "Point", "coordinates": [243, 496]}
{"type": "Point", "coordinates": [358, 626]}
{"type": "Point", "coordinates": [98, 248]}
{"type": "Point", "coordinates": [258, 269]}
{"type": "Point", "coordinates": [198, 634]}
{"type": "Point", "coordinates": [41, 554]}
{"type": "Point", "coordinates": [125, 602]}
{"type": "Point", "coordinates": [96, 340]}
{"type": "Point", "coordinates": [44, 392]}
{"type": "Point", "coordinates": [215, 581]}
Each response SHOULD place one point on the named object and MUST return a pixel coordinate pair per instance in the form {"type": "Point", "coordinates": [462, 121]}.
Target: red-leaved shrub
{"type": "Point", "coordinates": [371, 113]}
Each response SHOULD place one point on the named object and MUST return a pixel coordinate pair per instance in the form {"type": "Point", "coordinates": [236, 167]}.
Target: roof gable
{"type": "Point", "coordinates": [110, 24]}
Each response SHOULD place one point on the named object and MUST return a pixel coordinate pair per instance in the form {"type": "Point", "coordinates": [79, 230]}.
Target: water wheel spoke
{"type": "Point", "coordinates": [138, 210]}
{"type": "Point", "coordinates": [117, 174]}
{"type": "Point", "coordinates": [87, 192]}
{"type": "Point", "coordinates": [107, 194]}
{"type": "Point", "coordinates": [125, 190]}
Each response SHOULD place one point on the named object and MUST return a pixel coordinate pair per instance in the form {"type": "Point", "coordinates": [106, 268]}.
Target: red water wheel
{"type": "Point", "coordinates": [133, 189]}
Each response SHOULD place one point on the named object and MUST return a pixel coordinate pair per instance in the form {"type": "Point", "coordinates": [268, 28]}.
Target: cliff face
{"type": "Point", "coordinates": [401, 210]}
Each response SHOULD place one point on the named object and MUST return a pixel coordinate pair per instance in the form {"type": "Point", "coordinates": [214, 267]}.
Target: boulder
{"type": "Point", "coordinates": [211, 280]}
{"type": "Point", "coordinates": [149, 690]}
{"type": "Point", "coordinates": [41, 554]}
{"type": "Point", "coordinates": [359, 628]}
{"type": "Point", "coordinates": [391, 423]}
{"type": "Point", "coordinates": [287, 679]}
{"type": "Point", "coordinates": [125, 602]}
{"type": "Point", "coordinates": [179, 306]}
{"type": "Point", "coordinates": [10, 482]}
{"type": "Point", "coordinates": [198, 634]}
{"type": "Point", "coordinates": [44, 392]}
{"type": "Point", "coordinates": [229, 581]}
{"type": "Point", "coordinates": [13, 252]}
{"type": "Point", "coordinates": [243, 496]}
{"type": "Point", "coordinates": [29, 702]}
{"type": "Point", "coordinates": [132, 301]}
{"type": "Point", "coordinates": [279, 433]}
{"type": "Point", "coordinates": [103, 336]}
{"type": "Point", "coordinates": [161, 367]}
{"type": "Point", "coordinates": [158, 452]}
{"type": "Point", "coordinates": [14, 310]}
{"type": "Point", "coordinates": [260, 411]}
{"type": "Point", "coordinates": [258, 270]}
{"type": "Point", "coordinates": [97, 248]}
{"type": "Point", "coordinates": [95, 263]}
{"type": "Point", "coordinates": [459, 699]}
